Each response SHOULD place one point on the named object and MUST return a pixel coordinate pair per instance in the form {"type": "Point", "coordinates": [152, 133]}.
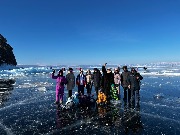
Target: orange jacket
{"type": "Point", "coordinates": [101, 98]}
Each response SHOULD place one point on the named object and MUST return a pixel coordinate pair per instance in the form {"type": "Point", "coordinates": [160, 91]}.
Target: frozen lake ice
{"type": "Point", "coordinates": [28, 107]}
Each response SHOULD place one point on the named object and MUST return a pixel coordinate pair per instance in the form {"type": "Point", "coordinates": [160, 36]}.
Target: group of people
{"type": "Point", "coordinates": [100, 80]}
{"type": "Point", "coordinates": [130, 81]}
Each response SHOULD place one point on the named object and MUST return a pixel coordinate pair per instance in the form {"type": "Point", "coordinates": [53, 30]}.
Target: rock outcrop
{"type": "Point", "coordinates": [6, 53]}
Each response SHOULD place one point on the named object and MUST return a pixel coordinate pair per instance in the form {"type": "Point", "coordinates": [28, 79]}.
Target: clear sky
{"type": "Point", "coordinates": [92, 31]}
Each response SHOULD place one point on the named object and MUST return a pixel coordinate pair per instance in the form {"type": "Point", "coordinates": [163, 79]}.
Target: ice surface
{"type": "Point", "coordinates": [28, 107]}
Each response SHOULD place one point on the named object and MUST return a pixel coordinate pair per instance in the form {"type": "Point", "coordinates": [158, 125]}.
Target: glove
{"type": "Point", "coordinates": [53, 71]}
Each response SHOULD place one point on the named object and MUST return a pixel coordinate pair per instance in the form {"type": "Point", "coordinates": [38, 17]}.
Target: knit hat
{"type": "Point", "coordinates": [124, 67]}
{"type": "Point", "coordinates": [70, 69]}
{"type": "Point", "coordinates": [133, 69]}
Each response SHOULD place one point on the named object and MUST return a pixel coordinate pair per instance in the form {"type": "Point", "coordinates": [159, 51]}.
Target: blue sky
{"type": "Point", "coordinates": [71, 32]}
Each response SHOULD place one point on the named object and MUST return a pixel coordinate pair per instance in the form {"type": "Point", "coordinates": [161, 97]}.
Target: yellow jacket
{"type": "Point", "coordinates": [101, 97]}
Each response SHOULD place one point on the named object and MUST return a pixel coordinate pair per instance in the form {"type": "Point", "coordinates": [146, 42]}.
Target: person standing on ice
{"type": "Point", "coordinates": [124, 83]}
{"type": "Point", "coordinates": [134, 84]}
{"type": "Point", "coordinates": [97, 78]}
{"type": "Point", "coordinates": [89, 82]}
{"type": "Point", "coordinates": [117, 79]}
{"type": "Point", "coordinates": [60, 82]}
{"type": "Point", "coordinates": [107, 81]}
{"type": "Point", "coordinates": [70, 81]}
{"type": "Point", "coordinates": [81, 82]}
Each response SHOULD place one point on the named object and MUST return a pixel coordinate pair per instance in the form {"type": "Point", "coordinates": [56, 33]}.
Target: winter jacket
{"type": "Point", "coordinates": [88, 78]}
{"type": "Point", "coordinates": [78, 80]}
{"type": "Point", "coordinates": [70, 81]}
{"type": "Point", "coordinates": [107, 81]}
{"type": "Point", "coordinates": [101, 98]}
{"type": "Point", "coordinates": [117, 79]}
{"type": "Point", "coordinates": [124, 78]}
{"type": "Point", "coordinates": [133, 81]}
{"type": "Point", "coordinates": [97, 77]}
{"type": "Point", "coordinates": [60, 81]}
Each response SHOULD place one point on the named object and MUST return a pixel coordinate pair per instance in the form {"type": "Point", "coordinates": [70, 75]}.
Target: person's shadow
{"type": "Point", "coordinates": [131, 119]}
{"type": "Point", "coordinates": [63, 117]}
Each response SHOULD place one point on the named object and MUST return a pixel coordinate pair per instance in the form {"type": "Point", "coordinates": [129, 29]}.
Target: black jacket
{"type": "Point", "coordinates": [107, 80]}
{"type": "Point", "coordinates": [133, 81]}
{"type": "Point", "coordinates": [97, 78]}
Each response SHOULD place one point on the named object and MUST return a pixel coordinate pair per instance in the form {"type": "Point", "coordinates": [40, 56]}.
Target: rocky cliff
{"type": "Point", "coordinates": [6, 53]}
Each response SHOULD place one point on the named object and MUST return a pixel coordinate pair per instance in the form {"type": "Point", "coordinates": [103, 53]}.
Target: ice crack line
{"type": "Point", "coordinates": [23, 102]}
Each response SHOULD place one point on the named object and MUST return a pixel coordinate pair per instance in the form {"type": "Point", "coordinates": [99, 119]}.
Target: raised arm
{"type": "Point", "coordinates": [104, 68]}
{"type": "Point", "coordinates": [53, 76]}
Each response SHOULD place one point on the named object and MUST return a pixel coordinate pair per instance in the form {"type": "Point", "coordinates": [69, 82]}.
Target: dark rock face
{"type": "Point", "coordinates": [7, 82]}
{"type": "Point", "coordinates": [6, 53]}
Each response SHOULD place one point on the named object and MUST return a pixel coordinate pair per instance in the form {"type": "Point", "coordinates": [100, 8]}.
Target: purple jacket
{"type": "Point", "coordinates": [60, 81]}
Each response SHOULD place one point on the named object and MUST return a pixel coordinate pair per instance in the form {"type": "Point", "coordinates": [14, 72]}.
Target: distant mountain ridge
{"type": "Point", "coordinates": [7, 56]}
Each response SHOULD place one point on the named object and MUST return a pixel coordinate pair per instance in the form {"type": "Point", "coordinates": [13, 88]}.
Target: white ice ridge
{"type": "Point", "coordinates": [152, 70]}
